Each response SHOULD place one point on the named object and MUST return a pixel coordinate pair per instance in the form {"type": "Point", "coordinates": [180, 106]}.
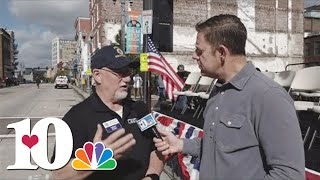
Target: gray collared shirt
{"type": "Point", "coordinates": [251, 132]}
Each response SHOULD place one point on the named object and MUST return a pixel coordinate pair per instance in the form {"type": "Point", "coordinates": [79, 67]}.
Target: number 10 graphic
{"type": "Point", "coordinates": [36, 144]}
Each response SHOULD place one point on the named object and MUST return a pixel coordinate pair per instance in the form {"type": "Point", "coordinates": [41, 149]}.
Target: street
{"type": "Point", "coordinates": [26, 101]}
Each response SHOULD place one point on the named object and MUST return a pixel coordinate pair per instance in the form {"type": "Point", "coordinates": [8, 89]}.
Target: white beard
{"type": "Point", "coordinates": [120, 95]}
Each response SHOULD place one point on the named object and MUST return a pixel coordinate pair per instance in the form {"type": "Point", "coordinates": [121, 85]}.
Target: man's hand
{"type": "Point", "coordinates": [170, 144]}
{"type": "Point", "coordinates": [116, 141]}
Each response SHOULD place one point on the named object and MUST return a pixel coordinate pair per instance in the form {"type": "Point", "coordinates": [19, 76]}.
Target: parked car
{"type": "Point", "coordinates": [2, 83]}
{"type": "Point", "coordinates": [13, 81]}
{"type": "Point", "coordinates": [61, 81]}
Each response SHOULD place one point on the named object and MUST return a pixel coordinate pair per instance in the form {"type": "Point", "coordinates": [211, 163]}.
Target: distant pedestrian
{"type": "Point", "coordinates": [182, 100]}
{"type": "Point", "coordinates": [38, 81]}
{"type": "Point", "coordinates": [137, 85]}
{"type": "Point", "coordinates": [83, 83]}
{"type": "Point", "coordinates": [161, 89]}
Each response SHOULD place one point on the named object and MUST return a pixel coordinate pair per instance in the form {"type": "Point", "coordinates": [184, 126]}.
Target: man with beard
{"type": "Point", "coordinates": [108, 116]}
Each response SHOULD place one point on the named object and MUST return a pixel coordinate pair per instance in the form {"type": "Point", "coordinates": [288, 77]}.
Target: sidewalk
{"type": "Point", "coordinates": [154, 98]}
{"type": "Point", "coordinates": [167, 173]}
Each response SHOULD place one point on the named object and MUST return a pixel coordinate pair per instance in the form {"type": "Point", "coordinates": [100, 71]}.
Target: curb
{"type": "Point", "coordinates": [84, 95]}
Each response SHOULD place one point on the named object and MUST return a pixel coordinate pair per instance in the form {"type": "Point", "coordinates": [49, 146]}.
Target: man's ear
{"type": "Point", "coordinates": [96, 76]}
{"type": "Point", "coordinates": [221, 52]}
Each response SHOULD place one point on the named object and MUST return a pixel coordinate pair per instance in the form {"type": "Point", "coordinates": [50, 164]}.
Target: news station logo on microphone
{"type": "Point", "coordinates": [146, 122]}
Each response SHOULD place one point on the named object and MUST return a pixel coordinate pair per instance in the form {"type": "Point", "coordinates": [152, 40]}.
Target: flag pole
{"type": "Point", "coordinates": [147, 5]}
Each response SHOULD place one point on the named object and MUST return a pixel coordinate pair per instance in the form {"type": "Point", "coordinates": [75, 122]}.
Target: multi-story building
{"type": "Point", "coordinates": [312, 35]}
{"type": "Point", "coordinates": [63, 51]}
{"type": "Point", "coordinates": [275, 28]}
{"type": "Point", "coordinates": [83, 38]}
{"type": "Point", "coordinates": [6, 54]}
{"type": "Point", "coordinates": [97, 12]}
{"type": "Point", "coordinates": [312, 21]}
{"type": "Point", "coordinates": [312, 49]}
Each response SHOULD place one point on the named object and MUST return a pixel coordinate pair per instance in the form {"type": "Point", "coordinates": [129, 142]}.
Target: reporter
{"type": "Point", "coordinates": [251, 130]}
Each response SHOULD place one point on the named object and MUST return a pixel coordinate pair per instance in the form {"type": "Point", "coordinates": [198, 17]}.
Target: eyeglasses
{"type": "Point", "coordinates": [119, 73]}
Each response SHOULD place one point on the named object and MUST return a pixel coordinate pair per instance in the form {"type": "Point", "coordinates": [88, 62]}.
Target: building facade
{"type": "Point", "coordinates": [63, 51]}
{"type": "Point", "coordinates": [312, 49]}
{"type": "Point", "coordinates": [312, 35]}
{"type": "Point", "coordinates": [312, 21]}
{"type": "Point", "coordinates": [275, 28]}
{"type": "Point", "coordinates": [6, 54]}
{"type": "Point", "coordinates": [84, 49]}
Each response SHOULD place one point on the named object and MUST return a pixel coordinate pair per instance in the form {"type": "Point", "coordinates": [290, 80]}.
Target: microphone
{"type": "Point", "coordinates": [146, 121]}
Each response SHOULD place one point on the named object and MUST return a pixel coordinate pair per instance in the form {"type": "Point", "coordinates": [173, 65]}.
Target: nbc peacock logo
{"type": "Point", "coordinates": [94, 157]}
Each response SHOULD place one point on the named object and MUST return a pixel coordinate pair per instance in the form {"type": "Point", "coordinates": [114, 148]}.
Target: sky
{"type": "Point", "coordinates": [37, 22]}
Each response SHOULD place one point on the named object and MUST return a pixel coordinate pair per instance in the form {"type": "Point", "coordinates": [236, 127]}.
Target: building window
{"type": "Point", "coordinates": [317, 48]}
{"type": "Point", "coordinates": [307, 49]}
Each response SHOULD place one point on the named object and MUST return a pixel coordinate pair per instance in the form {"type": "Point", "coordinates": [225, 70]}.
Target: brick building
{"type": "Point", "coordinates": [275, 28]}
{"type": "Point", "coordinates": [6, 54]}
{"type": "Point", "coordinates": [312, 34]}
{"type": "Point", "coordinates": [312, 20]}
{"type": "Point", "coordinates": [312, 49]}
{"type": "Point", "coordinates": [84, 41]}
{"type": "Point", "coordinates": [63, 51]}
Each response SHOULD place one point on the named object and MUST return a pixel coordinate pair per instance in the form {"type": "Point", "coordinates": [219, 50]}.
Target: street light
{"type": "Point", "coordinates": [88, 63]}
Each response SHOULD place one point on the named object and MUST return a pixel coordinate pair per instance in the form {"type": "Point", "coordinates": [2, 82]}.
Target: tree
{"type": "Point", "coordinates": [15, 52]}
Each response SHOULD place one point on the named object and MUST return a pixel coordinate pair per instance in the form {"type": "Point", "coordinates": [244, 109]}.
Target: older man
{"type": "Point", "coordinates": [251, 130]}
{"type": "Point", "coordinates": [107, 109]}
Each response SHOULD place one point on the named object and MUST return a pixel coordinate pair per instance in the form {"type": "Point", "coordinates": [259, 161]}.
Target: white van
{"type": "Point", "coordinates": [61, 81]}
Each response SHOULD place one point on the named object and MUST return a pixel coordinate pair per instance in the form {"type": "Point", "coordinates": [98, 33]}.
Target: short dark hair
{"type": "Point", "coordinates": [227, 30]}
{"type": "Point", "coordinates": [180, 67]}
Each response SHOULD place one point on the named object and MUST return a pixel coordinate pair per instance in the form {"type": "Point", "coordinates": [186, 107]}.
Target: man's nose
{"type": "Point", "coordinates": [195, 56]}
{"type": "Point", "coordinates": [127, 79]}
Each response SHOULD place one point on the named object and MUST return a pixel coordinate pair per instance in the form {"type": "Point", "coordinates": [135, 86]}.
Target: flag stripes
{"type": "Point", "coordinates": [158, 64]}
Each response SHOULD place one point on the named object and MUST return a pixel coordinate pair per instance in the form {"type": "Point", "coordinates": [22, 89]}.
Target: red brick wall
{"type": "Point", "coordinates": [189, 12]}
{"type": "Point", "coordinates": [309, 46]}
{"type": "Point", "coordinates": [311, 25]}
{"type": "Point", "coordinates": [269, 19]}
{"type": "Point", "coordinates": [1, 59]}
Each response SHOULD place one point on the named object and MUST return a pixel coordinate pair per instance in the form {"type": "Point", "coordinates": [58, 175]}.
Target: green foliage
{"type": "Point", "coordinates": [62, 72]}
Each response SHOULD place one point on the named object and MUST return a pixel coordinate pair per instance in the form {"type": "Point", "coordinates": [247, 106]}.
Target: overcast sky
{"type": "Point", "coordinates": [37, 22]}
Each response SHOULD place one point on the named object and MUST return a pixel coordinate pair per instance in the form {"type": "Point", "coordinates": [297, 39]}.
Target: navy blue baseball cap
{"type": "Point", "coordinates": [113, 58]}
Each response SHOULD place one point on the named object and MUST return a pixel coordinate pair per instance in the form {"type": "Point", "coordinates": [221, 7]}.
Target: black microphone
{"type": "Point", "coordinates": [146, 119]}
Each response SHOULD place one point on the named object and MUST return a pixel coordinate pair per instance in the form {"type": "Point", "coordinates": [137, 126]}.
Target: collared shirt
{"type": "Point", "coordinates": [83, 119]}
{"type": "Point", "coordinates": [251, 131]}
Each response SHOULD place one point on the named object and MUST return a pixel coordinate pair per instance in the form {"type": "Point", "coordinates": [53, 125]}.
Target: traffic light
{"type": "Point", "coordinates": [47, 68]}
{"type": "Point", "coordinates": [38, 68]}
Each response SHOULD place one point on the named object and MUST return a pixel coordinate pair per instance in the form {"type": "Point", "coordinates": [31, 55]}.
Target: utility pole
{"type": "Point", "coordinates": [123, 25]}
{"type": "Point", "coordinates": [147, 5]}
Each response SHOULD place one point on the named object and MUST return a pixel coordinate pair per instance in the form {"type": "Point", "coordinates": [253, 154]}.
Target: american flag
{"type": "Point", "coordinates": [157, 63]}
{"type": "Point", "coordinates": [189, 165]}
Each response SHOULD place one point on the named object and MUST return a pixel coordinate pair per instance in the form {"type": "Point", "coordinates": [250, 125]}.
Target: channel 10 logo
{"type": "Point", "coordinates": [36, 143]}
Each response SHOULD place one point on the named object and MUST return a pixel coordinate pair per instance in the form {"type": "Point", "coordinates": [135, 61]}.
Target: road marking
{"type": "Point", "coordinates": [4, 136]}
{"type": "Point", "coordinates": [39, 117]}
{"type": "Point", "coordinates": [38, 176]}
